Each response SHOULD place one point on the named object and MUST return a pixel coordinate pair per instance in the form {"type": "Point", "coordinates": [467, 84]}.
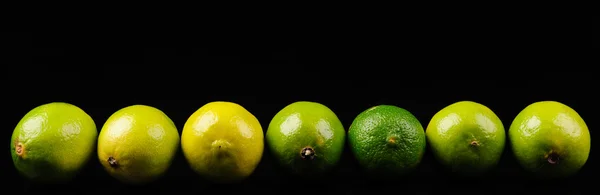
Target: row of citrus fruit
{"type": "Point", "coordinates": [224, 142]}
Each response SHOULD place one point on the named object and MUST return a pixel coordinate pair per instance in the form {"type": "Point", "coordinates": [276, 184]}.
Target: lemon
{"type": "Point", "coordinates": [223, 142]}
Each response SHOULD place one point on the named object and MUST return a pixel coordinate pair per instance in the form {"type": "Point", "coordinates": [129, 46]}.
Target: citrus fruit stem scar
{"type": "Point", "coordinates": [307, 153]}
{"type": "Point", "coordinates": [219, 145]}
{"type": "Point", "coordinates": [19, 149]}
{"type": "Point", "coordinates": [553, 158]}
{"type": "Point", "coordinates": [112, 162]}
{"type": "Point", "coordinates": [474, 143]}
{"type": "Point", "coordinates": [391, 142]}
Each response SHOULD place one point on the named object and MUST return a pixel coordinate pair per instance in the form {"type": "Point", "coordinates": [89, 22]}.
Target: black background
{"type": "Point", "coordinates": [596, 31]}
{"type": "Point", "coordinates": [103, 73]}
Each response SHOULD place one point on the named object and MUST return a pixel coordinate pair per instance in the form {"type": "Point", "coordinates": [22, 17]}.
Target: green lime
{"type": "Point", "coordinates": [387, 140]}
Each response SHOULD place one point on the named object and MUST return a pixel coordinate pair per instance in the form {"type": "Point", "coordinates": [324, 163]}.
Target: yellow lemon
{"type": "Point", "coordinates": [223, 142]}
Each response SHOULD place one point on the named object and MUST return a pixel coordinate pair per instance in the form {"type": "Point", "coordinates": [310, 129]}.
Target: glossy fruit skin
{"type": "Point", "coordinates": [387, 140]}
{"type": "Point", "coordinates": [55, 141]}
{"type": "Point", "coordinates": [467, 138]}
{"type": "Point", "coordinates": [223, 142]}
{"type": "Point", "coordinates": [137, 144]}
{"type": "Point", "coordinates": [306, 138]}
{"type": "Point", "coordinates": [550, 139]}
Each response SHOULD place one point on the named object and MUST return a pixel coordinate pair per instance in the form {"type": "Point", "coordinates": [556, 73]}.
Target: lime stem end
{"type": "Point", "coordinates": [19, 149]}
{"type": "Point", "coordinates": [307, 153]}
{"type": "Point", "coordinates": [112, 162]}
{"type": "Point", "coordinates": [553, 158]}
{"type": "Point", "coordinates": [474, 143]}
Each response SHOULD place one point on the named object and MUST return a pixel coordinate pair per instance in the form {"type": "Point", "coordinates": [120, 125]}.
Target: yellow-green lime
{"type": "Point", "coordinates": [53, 142]}
{"type": "Point", "coordinates": [306, 138]}
{"type": "Point", "coordinates": [467, 138]}
{"type": "Point", "coordinates": [137, 144]}
{"type": "Point", "coordinates": [550, 139]}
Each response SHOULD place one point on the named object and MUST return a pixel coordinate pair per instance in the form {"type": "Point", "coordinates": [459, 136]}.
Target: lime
{"type": "Point", "coordinates": [550, 139]}
{"type": "Point", "coordinates": [137, 144]}
{"type": "Point", "coordinates": [306, 138]}
{"type": "Point", "coordinates": [53, 142]}
{"type": "Point", "coordinates": [387, 140]}
{"type": "Point", "coordinates": [223, 142]}
{"type": "Point", "coordinates": [466, 137]}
